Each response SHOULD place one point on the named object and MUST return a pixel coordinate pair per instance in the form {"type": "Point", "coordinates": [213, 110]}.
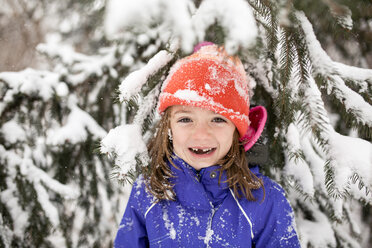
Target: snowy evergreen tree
{"type": "Point", "coordinates": [57, 190]}
{"type": "Point", "coordinates": [317, 140]}
{"type": "Point", "coordinates": [56, 187]}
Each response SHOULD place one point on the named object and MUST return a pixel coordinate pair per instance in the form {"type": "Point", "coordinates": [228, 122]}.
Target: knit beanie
{"type": "Point", "coordinates": [211, 79]}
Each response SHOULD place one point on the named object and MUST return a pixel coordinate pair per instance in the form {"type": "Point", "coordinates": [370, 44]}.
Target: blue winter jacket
{"type": "Point", "coordinates": [207, 214]}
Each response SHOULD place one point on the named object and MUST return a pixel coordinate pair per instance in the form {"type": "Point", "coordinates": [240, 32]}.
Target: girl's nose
{"type": "Point", "coordinates": [202, 130]}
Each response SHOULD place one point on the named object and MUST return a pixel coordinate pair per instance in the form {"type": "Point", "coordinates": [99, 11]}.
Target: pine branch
{"type": "Point", "coordinates": [353, 102]}
{"type": "Point", "coordinates": [341, 12]}
{"type": "Point", "coordinates": [146, 107]}
{"type": "Point", "coordinates": [133, 83]}
{"type": "Point", "coordinates": [266, 15]}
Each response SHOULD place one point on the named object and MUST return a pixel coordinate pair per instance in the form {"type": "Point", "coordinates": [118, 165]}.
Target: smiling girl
{"type": "Point", "coordinates": [199, 190]}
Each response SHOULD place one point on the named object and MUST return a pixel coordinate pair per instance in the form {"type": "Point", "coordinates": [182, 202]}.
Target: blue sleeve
{"type": "Point", "coordinates": [132, 230]}
{"type": "Point", "coordinates": [276, 226]}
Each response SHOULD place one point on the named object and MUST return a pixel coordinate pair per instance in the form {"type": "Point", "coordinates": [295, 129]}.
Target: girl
{"type": "Point", "coordinates": [199, 190]}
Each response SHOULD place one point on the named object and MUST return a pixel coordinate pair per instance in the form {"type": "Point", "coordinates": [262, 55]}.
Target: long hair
{"type": "Point", "coordinates": [239, 177]}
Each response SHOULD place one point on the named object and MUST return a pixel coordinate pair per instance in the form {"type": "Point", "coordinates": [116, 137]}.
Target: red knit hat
{"type": "Point", "coordinates": [211, 79]}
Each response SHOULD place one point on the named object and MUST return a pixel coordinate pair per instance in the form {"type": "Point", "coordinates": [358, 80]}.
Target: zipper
{"type": "Point", "coordinates": [209, 232]}
{"type": "Point", "coordinates": [198, 176]}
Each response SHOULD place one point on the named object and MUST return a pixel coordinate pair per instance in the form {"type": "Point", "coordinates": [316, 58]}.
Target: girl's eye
{"type": "Point", "coordinates": [184, 120]}
{"type": "Point", "coordinates": [218, 119]}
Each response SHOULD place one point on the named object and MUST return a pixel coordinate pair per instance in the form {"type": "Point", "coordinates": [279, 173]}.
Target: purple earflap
{"type": "Point", "coordinates": [257, 117]}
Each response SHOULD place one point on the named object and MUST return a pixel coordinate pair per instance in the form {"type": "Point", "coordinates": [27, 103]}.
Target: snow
{"type": "Point", "coordinates": [77, 226]}
{"type": "Point", "coordinates": [323, 63]}
{"type": "Point", "coordinates": [125, 152]}
{"type": "Point", "coordinates": [352, 101]}
{"type": "Point", "coordinates": [62, 89]}
{"type": "Point", "coordinates": [30, 82]}
{"type": "Point", "coordinates": [13, 132]}
{"type": "Point", "coordinates": [342, 15]}
{"type": "Point", "coordinates": [189, 95]}
{"type": "Point", "coordinates": [75, 129]}
{"type": "Point", "coordinates": [316, 163]}
{"type": "Point", "coordinates": [235, 16]}
{"type": "Point", "coordinates": [146, 106]}
{"type": "Point", "coordinates": [127, 60]}
{"type": "Point", "coordinates": [312, 231]}
{"type": "Point", "coordinates": [133, 83]}
{"type": "Point", "coordinates": [19, 216]}
{"type": "Point", "coordinates": [37, 175]}
{"type": "Point", "coordinates": [40, 180]}
{"type": "Point", "coordinates": [208, 236]}
{"type": "Point", "coordinates": [297, 167]}
{"type": "Point", "coordinates": [65, 52]}
{"type": "Point", "coordinates": [181, 26]}
{"type": "Point", "coordinates": [168, 224]}
{"type": "Point", "coordinates": [81, 66]}
{"type": "Point", "coordinates": [352, 155]}
{"type": "Point", "coordinates": [179, 17]}
{"type": "Point", "coordinates": [50, 210]}
{"type": "Point", "coordinates": [125, 14]}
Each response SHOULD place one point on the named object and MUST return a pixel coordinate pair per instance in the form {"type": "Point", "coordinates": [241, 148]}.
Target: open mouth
{"type": "Point", "coordinates": [202, 151]}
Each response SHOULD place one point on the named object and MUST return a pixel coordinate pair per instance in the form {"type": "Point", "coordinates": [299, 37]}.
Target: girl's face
{"type": "Point", "coordinates": [200, 137]}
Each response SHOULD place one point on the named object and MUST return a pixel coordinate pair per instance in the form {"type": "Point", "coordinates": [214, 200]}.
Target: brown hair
{"type": "Point", "coordinates": [239, 176]}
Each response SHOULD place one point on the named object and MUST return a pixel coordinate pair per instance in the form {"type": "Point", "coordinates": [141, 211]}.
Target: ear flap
{"type": "Point", "coordinates": [201, 44]}
{"type": "Point", "coordinates": [257, 117]}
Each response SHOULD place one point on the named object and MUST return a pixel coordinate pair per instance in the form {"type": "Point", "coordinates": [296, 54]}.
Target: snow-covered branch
{"type": "Point", "coordinates": [323, 64]}
{"type": "Point", "coordinates": [133, 83]}
{"type": "Point", "coordinates": [75, 129]}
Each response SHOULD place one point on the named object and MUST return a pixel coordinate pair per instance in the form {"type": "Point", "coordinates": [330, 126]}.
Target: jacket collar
{"type": "Point", "coordinates": [198, 189]}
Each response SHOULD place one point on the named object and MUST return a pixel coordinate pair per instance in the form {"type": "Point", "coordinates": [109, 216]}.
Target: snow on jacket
{"type": "Point", "coordinates": [207, 214]}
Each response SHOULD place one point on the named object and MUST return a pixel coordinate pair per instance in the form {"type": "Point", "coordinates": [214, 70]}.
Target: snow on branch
{"type": "Point", "coordinates": [317, 232]}
{"type": "Point", "coordinates": [126, 145]}
{"type": "Point", "coordinates": [81, 66]}
{"type": "Point", "coordinates": [147, 105]}
{"type": "Point", "coordinates": [173, 19]}
{"type": "Point", "coordinates": [323, 64]}
{"type": "Point", "coordinates": [345, 155]}
{"type": "Point", "coordinates": [63, 52]}
{"type": "Point", "coordinates": [133, 83]}
{"type": "Point", "coordinates": [315, 161]}
{"type": "Point", "coordinates": [296, 165]}
{"type": "Point", "coordinates": [178, 13]}
{"type": "Point", "coordinates": [35, 174]}
{"type": "Point", "coordinates": [316, 112]}
{"type": "Point", "coordinates": [349, 156]}
{"type": "Point", "coordinates": [352, 101]}
{"type": "Point", "coordinates": [41, 182]}
{"type": "Point", "coordinates": [235, 16]}
{"type": "Point", "coordinates": [336, 74]}
{"type": "Point", "coordinates": [9, 199]}
{"type": "Point", "coordinates": [75, 129]}
{"type": "Point", "coordinates": [178, 21]}
{"type": "Point", "coordinates": [30, 82]}
{"type": "Point", "coordinates": [341, 12]}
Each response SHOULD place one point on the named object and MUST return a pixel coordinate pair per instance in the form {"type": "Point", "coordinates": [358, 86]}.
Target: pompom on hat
{"type": "Point", "coordinates": [211, 79]}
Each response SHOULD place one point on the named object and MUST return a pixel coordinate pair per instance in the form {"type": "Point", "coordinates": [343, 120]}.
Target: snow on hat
{"type": "Point", "coordinates": [209, 78]}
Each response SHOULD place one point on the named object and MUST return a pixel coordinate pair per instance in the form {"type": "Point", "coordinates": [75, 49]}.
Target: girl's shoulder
{"type": "Point", "coordinates": [272, 218]}
{"type": "Point", "coordinates": [140, 198]}
{"type": "Point", "coordinates": [272, 193]}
